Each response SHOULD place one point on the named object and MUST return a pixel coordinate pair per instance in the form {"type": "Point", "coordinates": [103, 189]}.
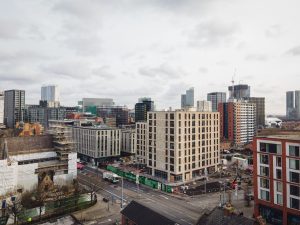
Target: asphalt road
{"type": "Point", "coordinates": [185, 211]}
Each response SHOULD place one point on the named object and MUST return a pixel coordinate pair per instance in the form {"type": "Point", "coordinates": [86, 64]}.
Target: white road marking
{"type": "Point", "coordinates": [164, 197]}
{"type": "Point", "coordinates": [186, 221]}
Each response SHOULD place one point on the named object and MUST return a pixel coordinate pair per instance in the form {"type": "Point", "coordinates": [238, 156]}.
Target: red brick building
{"type": "Point", "coordinates": [277, 178]}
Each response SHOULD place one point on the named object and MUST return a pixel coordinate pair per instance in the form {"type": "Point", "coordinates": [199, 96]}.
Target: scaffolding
{"type": "Point", "coordinates": [62, 139]}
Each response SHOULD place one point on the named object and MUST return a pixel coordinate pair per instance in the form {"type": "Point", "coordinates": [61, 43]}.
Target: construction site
{"type": "Point", "coordinates": [40, 168]}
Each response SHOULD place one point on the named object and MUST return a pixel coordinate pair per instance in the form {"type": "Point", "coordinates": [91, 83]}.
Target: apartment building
{"type": "Point", "coordinates": [260, 110]}
{"type": "Point", "coordinates": [204, 106]}
{"type": "Point", "coordinates": [128, 141]}
{"type": "Point", "coordinates": [215, 98]}
{"type": "Point", "coordinates": [183, 144]}
{"type": "Point", "coordinates": [119, 113]}
{"type": "Point", "coordinates": [98, 143]}
{"type": "Point", "coordinates": [14, 107]}
{"type": "Point", "coordinates": [142, 107]}
{"type": "Point", "coordinates": [187, 99]}
{"type": "Point", "coordinates": [238, 121]}
{"type": "Point", "coordinates": [141, 130]}
{"type": "Point", "coordinates": [277, 178]}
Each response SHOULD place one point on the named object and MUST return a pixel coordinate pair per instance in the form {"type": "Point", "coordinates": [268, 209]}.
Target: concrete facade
{"type": "Point", "coordinates": [128, 141]}
{"type": "Point", "coordinates": [141, 141]}
{"type": "Point", "coordinates": [181, 145]}
{"type": "Point", "coordinates": [97, 143]}
{"type": "Point", "coordinates": [14, 107]}
{"type": "Point", "coordinates": [260, 110]}
{"type": "Point", "coordinates": [204, 106]}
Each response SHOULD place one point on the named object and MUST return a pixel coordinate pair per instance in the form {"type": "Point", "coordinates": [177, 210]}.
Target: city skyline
{"type": "Point", "coordinates": [191, 43]}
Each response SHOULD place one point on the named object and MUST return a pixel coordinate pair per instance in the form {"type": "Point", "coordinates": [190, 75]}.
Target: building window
{"type": "Point", "coordinates": [295, 190]}
{"type": "Point", "coordinates": [270, 148]}
{"type": "Point", "coordinates": [264, 183]}
{"type": "Point", "coordinates": [294, 164]}
{"type": "Point", "coordinates": [295, 177]}
{"type": "Point", "coordinates": [279, 187]}
{"type": "Point", "coordinates": [172, 168]}
{"type": "Point", "coordinates": [263, 147]}
{"type": "Point", "coordinates": [278, 161]}
{"type": "Point", "coordinates": [264, 159]}
{"type": "Point", "coordinates": [279, 199]}
{"type": "Point", "coordinates": [278, 174]}
{"type": "Point", "coordinates": [294, 151]}
{"type": "Point", "coordinates": [264, 171]}
{"type": "Point", "coordinates": [172, 116]}
{"type": "Point", "coordinates": [294, 203]}
{"type": "Point", "coordinates": [264, 195]}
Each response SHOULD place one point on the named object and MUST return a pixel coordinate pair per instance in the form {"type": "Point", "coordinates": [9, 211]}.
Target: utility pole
{"type": "Point", "coordinates": [122, 203]}
{"type": "Point", "coordinates": [205, 173]}
{"type": "Point", "coordinates": [137, 178]}
{"type": "Point", "coordinates": [224, 193]}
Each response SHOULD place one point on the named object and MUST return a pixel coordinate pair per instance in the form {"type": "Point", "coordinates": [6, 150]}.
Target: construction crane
{"type": "Point", "coordinates": [232, 81]}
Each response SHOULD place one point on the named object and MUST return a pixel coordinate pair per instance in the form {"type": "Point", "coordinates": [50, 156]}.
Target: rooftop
{"type": "Point", "coordinates": [145, 215]}
{"type": "Point", "coordinates": [99, 127]}
{"type": "Point", "coordinates": [219, 216]}
{"type": "Point", "coordinates": [294, 137]}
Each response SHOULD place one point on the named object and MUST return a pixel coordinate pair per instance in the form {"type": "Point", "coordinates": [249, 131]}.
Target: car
{"type": "Point", "coordinates": [105, 199]}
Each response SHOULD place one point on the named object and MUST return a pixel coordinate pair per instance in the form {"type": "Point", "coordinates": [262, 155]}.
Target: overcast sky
{"type": "Point", "coordinates": [126, 49]}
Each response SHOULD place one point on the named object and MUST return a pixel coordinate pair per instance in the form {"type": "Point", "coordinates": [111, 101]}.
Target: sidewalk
{"type": "Point", "coordinates": [100, 211]}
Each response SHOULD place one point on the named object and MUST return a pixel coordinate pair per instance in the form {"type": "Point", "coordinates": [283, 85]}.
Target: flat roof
{"type": "Point", "coordinates": [294, 137]}
{"type": "Point", "coordinates": [101, 127]}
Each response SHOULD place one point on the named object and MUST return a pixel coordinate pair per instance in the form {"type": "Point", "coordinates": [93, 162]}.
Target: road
{"type": "Point", "coordinates": [183, 210]}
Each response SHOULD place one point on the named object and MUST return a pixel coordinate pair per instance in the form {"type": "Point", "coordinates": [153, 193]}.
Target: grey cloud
{"type": "Point", "coordinates": [162, 71]}
{"type": "Point", "coordinates": [256, 57]}
{"type": "Point", "coordinates": [80, 26]}
{"type": "Point", "coordinates": [203, 70]}
{"type": "Point", "coordinates": [22, 56]}
{"type": "Point", "coordinates": [273, 31]}
{"type": "Point", "coordinates": [213, 33]}
{"type": "Point", "coordinates": [86, 46]}
{"type": "Point", "coordinates": [10, 29]}
{"type": "Point", "coordinates": [34, 32]}
{"type": "Point", "coordinates": [76, 69]}
{"type": "Point", "coordinates": [17, 77]}
{"type": "Point", "coordinates": [295, 51]}
{"type": "Point", "coordinates": [103, 72]}
{"type": "Point", "coordinates": [78, 8]}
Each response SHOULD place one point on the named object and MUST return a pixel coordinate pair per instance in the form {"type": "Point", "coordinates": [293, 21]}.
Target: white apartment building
{"type": "Point", "coordinates": [97, 143]}
{"type": "Point", "coordinates": [141, 142]}
{"type": "Point", "coordinates": [180, 145]}
{"type": "Point", "coordinates": [128, 141]}
{"type": "Point", "coordinates": [245, 119]}
{"type": "Point", "coordinates": [204, 106]}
